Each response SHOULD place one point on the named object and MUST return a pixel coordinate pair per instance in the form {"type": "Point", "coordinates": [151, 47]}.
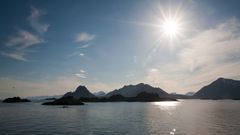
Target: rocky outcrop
{"type": "Point", "coordinates": [15, 100]}
{"type": "Point", "coordinates": [65, 101]}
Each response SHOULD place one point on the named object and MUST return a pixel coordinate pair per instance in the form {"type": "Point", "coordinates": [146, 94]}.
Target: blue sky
{"type": "Point", "coordinates": [51, 47]}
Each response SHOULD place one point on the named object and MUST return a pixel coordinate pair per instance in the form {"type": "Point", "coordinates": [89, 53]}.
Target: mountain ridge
{"type": "Point", "coordinates": [222, 88]}
{"type": "Point", "coordinates": [134, 90]}
{"type": "Point", "coordinates": [80, 92]}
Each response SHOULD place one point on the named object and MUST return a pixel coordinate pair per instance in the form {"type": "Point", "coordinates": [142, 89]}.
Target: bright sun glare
{"type": "Point", "coordinates": [170, 27]}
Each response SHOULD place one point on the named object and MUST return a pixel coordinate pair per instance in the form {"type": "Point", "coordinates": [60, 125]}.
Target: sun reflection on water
{"type": "Point", "coordinates": [167, 105]}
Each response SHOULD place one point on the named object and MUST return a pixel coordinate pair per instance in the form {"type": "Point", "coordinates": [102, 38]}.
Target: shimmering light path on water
{"type": "Point", "coordinates": [186, 117]}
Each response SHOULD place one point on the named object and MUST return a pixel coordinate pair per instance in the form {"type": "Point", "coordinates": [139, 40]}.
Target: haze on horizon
{"type": "Point", "coordinates": [51, 47]}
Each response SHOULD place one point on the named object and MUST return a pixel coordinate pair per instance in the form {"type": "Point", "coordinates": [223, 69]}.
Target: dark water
{"type": "Point", "coordinates": [187, 117]}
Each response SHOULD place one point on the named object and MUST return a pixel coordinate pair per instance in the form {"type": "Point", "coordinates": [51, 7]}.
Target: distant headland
{"type": "Point", "coordinates": [15, 100]}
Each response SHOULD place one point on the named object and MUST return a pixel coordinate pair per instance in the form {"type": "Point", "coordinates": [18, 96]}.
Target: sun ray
{"type": "Point", "coordinates": [170, 27]}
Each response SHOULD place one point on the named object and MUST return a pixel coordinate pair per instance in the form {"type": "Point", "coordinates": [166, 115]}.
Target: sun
{"type": "Point", "coordinates": [170, 27]}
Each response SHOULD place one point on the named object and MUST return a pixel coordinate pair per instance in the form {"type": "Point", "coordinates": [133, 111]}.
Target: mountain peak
{"type": "Point", "coordinates": [141, 84]}
{"type": "Point", "coordinates": [221, 78]}
{"type": "Point", "coordinates": [81, 87]}
{"type": "Point", "coordinates": [137, 85]}
{"type": "Point", "coordinates": [80, 92]}
{"type": "Point", "coordinates": [144, 84]}
{"type": "Point", "coordinates": [221, 88]}
{"type": "Point", "coordinates": [134, 90]}
{"type": "Point", "coordinates": [226, 80]}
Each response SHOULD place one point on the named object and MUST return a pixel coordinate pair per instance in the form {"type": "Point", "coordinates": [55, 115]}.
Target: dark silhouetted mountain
{"type": "Point", "coordinates": [149, 97]}
{"type": "Point", "coordinates": [15, 100]}
{"type": "Point", "coordinates": [134, 90]}
{"type": "Point", "coordinates": [141, 97]}
{"type": "Point", "coordinates": [99, 94]}
{"type": "Point", "coordinates": [65, 101]}
{"type": "Point", "coordinates": [220, 89]}
{"type": "Point", "coordinates": [80, 92]}
{"type": "Point", "coordinates": [132, 93]}
{"type": "Point", "coordinates": [116, 98]}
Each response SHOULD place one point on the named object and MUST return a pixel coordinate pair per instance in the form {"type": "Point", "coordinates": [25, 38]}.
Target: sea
{"type": "Point", "coordinates": [183, 117]}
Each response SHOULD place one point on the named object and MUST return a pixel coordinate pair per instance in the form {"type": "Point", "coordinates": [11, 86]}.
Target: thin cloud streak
{"type": "Point", "coordinates": [24, 39]}
{"type": "Point", "coordinates": [81, 54]}
{"type": "Point", "coordinates": [15, 55]}
{"type": "Point", "coordinates": [82, 74]}
{"type": "Point", "coordinates": [20, 43]}
{"type": "Point", "coordinates": [84, 37]}
{"type": "Point", "coordinates": [34, 20]}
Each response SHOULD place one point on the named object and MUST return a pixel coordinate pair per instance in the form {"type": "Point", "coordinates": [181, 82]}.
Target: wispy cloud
{"type": "Point", "coordinates": [15, 55]}
{"type": "Point", "coordinates": [213, 47]}
{"type": "Point", "coordinates": [34, 20]}
{"type": "Point", "coordinates": [204, 57]}
{"type": "Point", "coordinates": [81, 54]}
{"type": "Point", "coordinates": [82, 71]}
{"type": "Point", "coordinates": [82, 74]}
{"type": "Point", "coordinates": [76, 53]}
{"type": "Point", "coordinates": [85, 45]}
{"type": "Point", "coordinates": [18, 45]}
{"type": "Point", "coordinates": [24, 39]}
{"type": "Point", "coordinates": [84, 37]}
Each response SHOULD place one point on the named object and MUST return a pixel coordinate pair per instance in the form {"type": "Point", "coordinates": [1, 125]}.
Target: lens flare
{"type": "Point", "coordinates": [171, 27]}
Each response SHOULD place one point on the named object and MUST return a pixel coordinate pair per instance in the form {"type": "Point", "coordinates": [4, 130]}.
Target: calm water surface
{"type": "Point", "coordinates": [186, 117]}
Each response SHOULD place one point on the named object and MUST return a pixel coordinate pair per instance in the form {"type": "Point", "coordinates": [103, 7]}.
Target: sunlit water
{"type": "Point", "coordinates": [186, 117]}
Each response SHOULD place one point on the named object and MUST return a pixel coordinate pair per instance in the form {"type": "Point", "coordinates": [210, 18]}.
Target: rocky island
{"type": "Point", "coordinates": [15, 100]}
{"type": "Point", "coordinates": [65, 101]}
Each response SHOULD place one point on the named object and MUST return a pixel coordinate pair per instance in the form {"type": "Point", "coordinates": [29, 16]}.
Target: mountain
{"type": "Point", "coordinates": [131, 93]}
{"type": "Point", "coordinates": [141, 97]}
{"type": "Point", "coordinates": [222, 88]}
{"type": "Point", "coordinates": [180, 96]}
{"type": "Point", "coordinates": [99, 94]}
{"type": "Point", "coordinates": [134, 90]}
{"type": "Point", "coordinates": [80, 92]}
